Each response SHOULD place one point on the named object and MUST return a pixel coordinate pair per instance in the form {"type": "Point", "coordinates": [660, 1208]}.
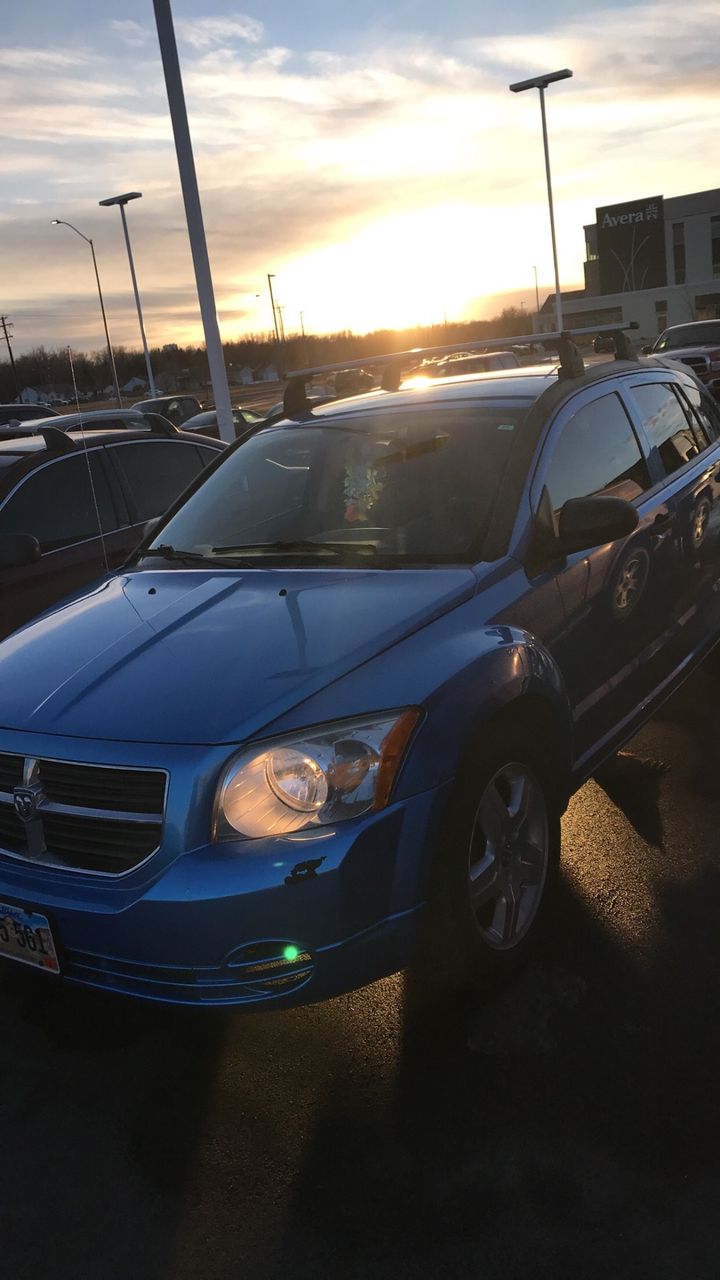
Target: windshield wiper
{"type": "Point", "coordinates": [298, 545]}
{"type": "Point", "coordinates": [165, 552]}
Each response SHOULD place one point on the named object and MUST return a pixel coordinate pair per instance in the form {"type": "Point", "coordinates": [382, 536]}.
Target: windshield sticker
{"type": "Point", "coordinates": [506, 426]}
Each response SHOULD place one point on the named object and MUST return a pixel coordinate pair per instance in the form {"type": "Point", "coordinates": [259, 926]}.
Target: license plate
{"type": "Point", "coordinates": [26, 936]}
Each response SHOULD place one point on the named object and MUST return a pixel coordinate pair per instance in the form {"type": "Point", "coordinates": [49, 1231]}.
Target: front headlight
{"type": "Point", "coordinates": [326, 775]}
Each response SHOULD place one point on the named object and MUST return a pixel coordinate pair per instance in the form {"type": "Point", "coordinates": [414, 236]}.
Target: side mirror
{"type": "Point", "coordinates": [150, 526]}
{"type": "Point", "coordinates": [646, 350]}
{"type": "Point", "coordinates": [589, 522]}
{"type": "Point", "coordinates": [18, 549]}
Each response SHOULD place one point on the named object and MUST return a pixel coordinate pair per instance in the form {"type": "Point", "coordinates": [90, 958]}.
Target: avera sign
{"type": "Point", "coordinates": [631, 246]}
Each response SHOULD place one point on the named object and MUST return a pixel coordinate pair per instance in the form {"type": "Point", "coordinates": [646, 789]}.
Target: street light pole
{"type": "Point", "coordinates": [541, 83]}
{"type": "Point", "coordinates": [537, 294]}
{"type": "Point", "coordinates": [58, 222]}
{"type": "Point", "coordinates": [121, 201]}
{"type": "Point", "coordinates": [270, 279]}
{"type": "Point", "coordinates": [194, 217]}
{"type": "Point", "coordinates": [280, 310]}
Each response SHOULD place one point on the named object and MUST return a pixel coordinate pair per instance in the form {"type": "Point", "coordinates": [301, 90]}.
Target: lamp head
{"type": "Point", "coordinates": [123, 199]}
{"type": "Point", "coordinates": [541, 82]}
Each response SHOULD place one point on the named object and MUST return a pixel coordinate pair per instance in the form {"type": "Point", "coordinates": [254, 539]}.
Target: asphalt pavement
{"type": "Point", "coordinates": [566, 1126]}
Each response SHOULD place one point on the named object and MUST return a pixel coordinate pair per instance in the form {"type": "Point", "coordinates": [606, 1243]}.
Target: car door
{"type": "Point", "coordinates": [67, 504]}
{"type": "Point", "coordinates": [611, 649]}
{"type": "Point", "coordinates": [681, 426]}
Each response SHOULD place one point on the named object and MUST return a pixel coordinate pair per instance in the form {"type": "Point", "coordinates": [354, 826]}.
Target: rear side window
{"type": "Point", "coordinates": [704, 410]}
{"type": "Point", "coordinates": [156, 471]}
{"type": "Point", "coordinates": [667, 425]}
{"type": "Point", "coordinates": [597, 453]}
{"type": "Point", "coordinates": [56, 503]}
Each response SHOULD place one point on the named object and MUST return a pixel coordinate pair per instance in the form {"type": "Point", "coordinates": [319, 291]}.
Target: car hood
{"type": "Point", "coordinates": [195, 656]}
{"type": "Point", "coordinates": [692, 349]}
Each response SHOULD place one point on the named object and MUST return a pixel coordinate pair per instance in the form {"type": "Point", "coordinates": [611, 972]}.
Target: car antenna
{"type": "Point", "coordinates": [87, 461]}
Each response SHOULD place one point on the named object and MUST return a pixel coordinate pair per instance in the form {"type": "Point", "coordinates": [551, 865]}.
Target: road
{"type": "Point", "coordinates": [567, 1126]}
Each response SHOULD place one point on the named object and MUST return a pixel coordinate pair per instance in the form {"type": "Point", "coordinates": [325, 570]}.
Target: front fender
{"type": "Point", "coordinates": [463, 672]}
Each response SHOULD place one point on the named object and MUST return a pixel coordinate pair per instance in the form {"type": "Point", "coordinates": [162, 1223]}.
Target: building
{"type": "Point", "coordinates": [655, 261]}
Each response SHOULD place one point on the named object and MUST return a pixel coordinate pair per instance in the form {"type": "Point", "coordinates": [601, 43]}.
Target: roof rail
{"type": "Point", "coordinates": [56, 440]}
{"type": "Point", "coordinates": [158, 425]}
{"type": "Point", "coordinates": [295, 401]}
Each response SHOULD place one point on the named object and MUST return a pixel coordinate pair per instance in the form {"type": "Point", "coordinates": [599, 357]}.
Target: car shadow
{"type": "Point", "coordinates": [632, 783]}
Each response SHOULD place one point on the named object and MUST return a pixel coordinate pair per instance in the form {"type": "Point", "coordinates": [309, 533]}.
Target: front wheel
{"type": "Point", "coordinates": [496, 861]}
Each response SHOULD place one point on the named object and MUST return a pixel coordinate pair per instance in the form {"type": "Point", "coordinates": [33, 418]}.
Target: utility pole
{"type": "Point", "coordinates": [5, 326]}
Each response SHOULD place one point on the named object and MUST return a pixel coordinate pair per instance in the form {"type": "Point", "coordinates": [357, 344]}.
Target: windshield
{"type": "Point", "coordinates": [411, 487]}
{"type": "Point", "coordinates": [689, 336]}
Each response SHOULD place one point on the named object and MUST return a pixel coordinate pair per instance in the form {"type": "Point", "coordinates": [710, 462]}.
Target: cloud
{"type": "Point", "coordinates": [24, 59]}
{"type": "Point", "coordinates": [129, 32]}
{"type": "Point", "coordinates": [209, 32]}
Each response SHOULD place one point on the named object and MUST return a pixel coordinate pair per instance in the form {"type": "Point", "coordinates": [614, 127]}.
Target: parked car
{"type": "Point", "coordinates": [68, 529]}
{"type": "Point", "coordinates": [314, 401]}
{"type": "Point", "coordinates": [349, 382]}
{"type": "Point", "coordinates": [206, 423]}
{"type": "Point", "coordinates": [697, 345]}
{"type": "Point", "coordinates": [465, 362]}
{"type": "Point", "coordinates": [10, 413]}
{"type": "Point", "coordinates": [177, 409]}
{"type": "Point", "coordinates": [604, 344]}
{"type": "Point", "coordinates": [92, 420]}
{"type": "Point", "coordinates": [326, 719]}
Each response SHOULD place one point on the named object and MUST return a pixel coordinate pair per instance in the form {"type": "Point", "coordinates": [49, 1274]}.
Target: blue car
{"type": "Point", "coordinates": [328, 717]}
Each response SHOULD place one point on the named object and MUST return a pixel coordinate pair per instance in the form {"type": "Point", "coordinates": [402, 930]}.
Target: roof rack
{"type": "Point", "coordinates": [393, 363]}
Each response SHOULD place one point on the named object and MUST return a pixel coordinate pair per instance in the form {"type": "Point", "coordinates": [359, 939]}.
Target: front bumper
{"type": "Point", "coordinates": [275, 921]}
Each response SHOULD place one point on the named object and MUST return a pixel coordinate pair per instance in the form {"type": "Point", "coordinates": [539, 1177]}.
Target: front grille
{"type": "Point", "coordinates": [84, 817]}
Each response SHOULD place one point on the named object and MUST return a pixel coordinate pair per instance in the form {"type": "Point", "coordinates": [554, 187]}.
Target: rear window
{"type": "Point", "coordinates": [667, 425]}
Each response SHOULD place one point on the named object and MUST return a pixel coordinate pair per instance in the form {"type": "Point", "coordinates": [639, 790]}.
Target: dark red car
{"type": "Point", "coordinates": [59, 532]}
{"type": "Point", "coordinates": [697, 345]}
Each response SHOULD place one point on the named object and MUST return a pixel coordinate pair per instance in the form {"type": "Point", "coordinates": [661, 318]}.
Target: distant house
{"type": "Point", "coordinates": [50, 393]}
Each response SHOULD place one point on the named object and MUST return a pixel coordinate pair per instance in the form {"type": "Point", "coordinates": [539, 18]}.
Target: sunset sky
{"type": "Point", "coordinates": [370, 155]}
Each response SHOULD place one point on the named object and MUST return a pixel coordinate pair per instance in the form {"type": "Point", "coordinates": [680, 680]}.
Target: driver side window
{"type": "Point", "coordinates": [597, 453]}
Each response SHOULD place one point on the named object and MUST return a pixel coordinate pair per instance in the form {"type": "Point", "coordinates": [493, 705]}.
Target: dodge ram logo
{"type": "Point", "coordinates": [25, 801]}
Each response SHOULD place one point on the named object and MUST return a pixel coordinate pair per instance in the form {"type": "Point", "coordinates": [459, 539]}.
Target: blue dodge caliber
{"type": "Point", "coordinates": [336, 703]}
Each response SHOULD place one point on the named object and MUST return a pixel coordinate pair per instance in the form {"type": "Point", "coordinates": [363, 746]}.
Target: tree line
{"type": "Point", "coordinates": [185, 368]}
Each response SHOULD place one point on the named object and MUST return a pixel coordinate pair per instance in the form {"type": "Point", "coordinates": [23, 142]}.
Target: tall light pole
{"type": "Point", "coordinates": [280, 310]}
{"type": "Point", "coordinates": [541, 83]}
{"type": "Point", "coordinates": [270, 279]}
{"type": "Point", "coordinates": [194, 217]}
{"type": "Point", "coordinates": [121, 201]}
{"type": "Point", "coordinates": [537, 294]}
{"type": "Point", "coordinates": [59, 222]}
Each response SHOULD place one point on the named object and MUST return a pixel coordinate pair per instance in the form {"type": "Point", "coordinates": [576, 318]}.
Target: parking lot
{"type": "Point", "coordinates": [566, 1126]}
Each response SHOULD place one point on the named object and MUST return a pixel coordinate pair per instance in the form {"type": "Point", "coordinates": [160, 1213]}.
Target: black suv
{"type": "Point", "coordinates": [57, 530]}
{"type": "Point", "coordinates": [22, 412]}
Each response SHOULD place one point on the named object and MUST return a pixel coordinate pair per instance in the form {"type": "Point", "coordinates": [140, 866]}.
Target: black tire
{"type": "Point", "coordinates": [461, 946]}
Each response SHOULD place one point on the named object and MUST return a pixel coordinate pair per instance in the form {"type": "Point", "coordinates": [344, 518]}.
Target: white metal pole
{"type": "Point", "coordinates": [193, 214]}
{"type": "Point", "coordinates": [558, 301]}
{"type": "Point", "coordinates": [148, 366]}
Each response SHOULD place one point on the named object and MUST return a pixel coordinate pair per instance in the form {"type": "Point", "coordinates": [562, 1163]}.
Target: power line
{"type": "Point", "coordinates": [5, 325]}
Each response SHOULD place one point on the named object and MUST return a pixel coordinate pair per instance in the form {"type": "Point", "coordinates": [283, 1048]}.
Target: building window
{"type": "Point", "coordinates": [661, 314]}
{"type": "Point", "coordinates": [707, 306]}
{"type": "Point", "coordinates": [715, 244]}
{"type": "Point", "coordinates": [678, 232]}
